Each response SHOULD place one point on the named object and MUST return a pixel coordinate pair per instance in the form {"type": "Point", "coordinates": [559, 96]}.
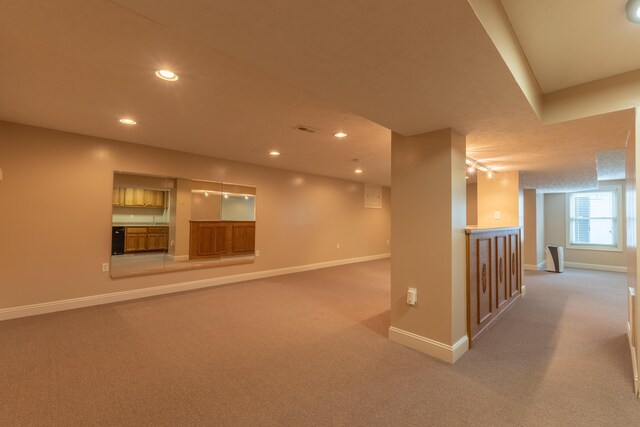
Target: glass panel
{"type": "Point", "coordinates": [164, 223]}
{"type": "Point", "coordinates": [238, 216]}
{"type": "Point", "coordinates": [139, 223]}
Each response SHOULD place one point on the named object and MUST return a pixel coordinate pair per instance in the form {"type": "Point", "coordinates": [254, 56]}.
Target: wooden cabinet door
{"type": "Point", "coordinates": [153, 242]}
{"type": "Point", "coordinates": [118, 196]}
{"type": "Point", "coordinates": [135, 242]}
{"type": "Point", "coordinates": [514, 263]}
{"type": "Point", "coordinates": [164, 241]}
{"type": "Point", "coordinates": [159, 199]}
{"type": "Point", "coordinates": [502, 282]}
{"type": "Point", "coordinates": [243, 237]}
{"type": "Point", "coordinates": [141, 244]}
{"type": "Point", "coordinates": [202, 240]}
{"type": "Point", "coordinates": [220, 242]}
{"type": "Point", "coordinates": [480, 278]}
{"type": "Point", "coordinates": [131, 243]}
{"type": "Point", "coordinates": [154, 198]}
{"type": "Point", "coordinates": [134, 197]}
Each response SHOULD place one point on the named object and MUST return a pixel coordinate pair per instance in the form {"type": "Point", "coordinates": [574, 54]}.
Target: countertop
{"type": "Point", "coordinates": [139, 224]}
{"type": "Point", "coordinates": [475, 229]}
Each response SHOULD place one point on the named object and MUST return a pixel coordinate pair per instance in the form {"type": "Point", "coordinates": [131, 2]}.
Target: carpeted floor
{"type": "Point", "coordinates": [312, 349]}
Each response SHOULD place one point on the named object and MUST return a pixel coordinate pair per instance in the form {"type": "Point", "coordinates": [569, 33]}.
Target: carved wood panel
{"type": "Point", "coordinates": [502, 284]}
{"type": "Point", "coordinates": [212, 239]}
{"type": "Point", "coordinates": [514, 263]}
{"type": "Point", "coordinates": [484, 288]}
{"type": "Point", "coordinates": [493, 276]}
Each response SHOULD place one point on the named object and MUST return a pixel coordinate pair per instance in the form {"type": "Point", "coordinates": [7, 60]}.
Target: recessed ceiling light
{"type": "Point", "coordinates": [167, 75]}
{"type": "Point", "coordinates": [358, 171]}
{"type": "Point", "coordinates": [633, 11]}
{"type": "Point", "coordinates": [127, 121]}
{"type": "Point", "coordinates": [340, 135]}
{"type": "Point", "coordinates": [274, 153]}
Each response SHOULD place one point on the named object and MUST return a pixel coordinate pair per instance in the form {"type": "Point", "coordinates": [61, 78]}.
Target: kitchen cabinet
{"type": "Point", "coordinates": [214, 239]}
{"type": "Point", "coordinates": [141, 239]}
{"type": "Point", "coordinates": [118, 196]}
{"type": "Point", "coordinates": [139, 197]}
{"type": "Point", "coordinates": [134, 196]}
{"type": "Point", "coordinates": [154, 199]}
{"type": "Point", "coordinates": [494, 276]}
{"type": "Point", "coordinates": [243, 237]}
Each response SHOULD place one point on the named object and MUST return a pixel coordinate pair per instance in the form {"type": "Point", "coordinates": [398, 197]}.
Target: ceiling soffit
{"type": "Point", "coordinates": [571, 42]}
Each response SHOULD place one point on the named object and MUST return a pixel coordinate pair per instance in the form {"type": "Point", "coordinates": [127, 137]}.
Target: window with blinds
{"type": "Point", "coordinates": [593, 218]}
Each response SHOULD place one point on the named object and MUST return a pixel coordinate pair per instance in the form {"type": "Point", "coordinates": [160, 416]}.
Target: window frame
{"type": "Point", "coordinates": [617, 189]}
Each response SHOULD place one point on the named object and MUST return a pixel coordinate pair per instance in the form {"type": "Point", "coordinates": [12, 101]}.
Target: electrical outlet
{"type": "Point", "coordinates": [412, 296]}
{"type": "Point", "coordinates": [497, 215]}
{"type": "Point", "coordinates": [387, 242]}
{"type": "Point", "coordinates": [105, 267]}
{"type": "Point", "coordinates": [337, 245]}
{"type": "Point", "coordinates": [257, 252]}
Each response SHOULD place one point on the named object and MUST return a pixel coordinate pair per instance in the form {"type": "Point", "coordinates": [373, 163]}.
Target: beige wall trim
{"type": "Point", "coordinates": [448, 353]}
{"type": "Point", "coordinates": [69, 304]}
{"type": "Point", "coordinates": [600, 267]}
{"type": "Point", "coordinates": [497, 25]}
{"type": "Point", "coordinates": [178, 257]}
{"type": "Point", "coordinates": [538, 267]}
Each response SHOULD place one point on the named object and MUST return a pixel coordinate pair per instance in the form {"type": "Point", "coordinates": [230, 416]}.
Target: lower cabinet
{"type": "Point", "coordinates": [146, 239]}
{"type": "Point", "coordinates": [214, 239]}
{"type": "Point", "coordinates": [494, 275]}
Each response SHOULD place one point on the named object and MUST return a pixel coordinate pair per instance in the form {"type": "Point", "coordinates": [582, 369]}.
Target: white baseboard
{"type": "Point", "coordinates": [69, 304]}
{"type": "Point", "coordinates": [534, 267]}
{"type": "Point", "coordinates": [178, 257]}
{"type": "Point", "coordinates": [448, 353]}
{"type": "Point", "coordinates": [600, 267]}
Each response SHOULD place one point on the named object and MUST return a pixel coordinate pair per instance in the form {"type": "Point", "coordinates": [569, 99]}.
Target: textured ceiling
{"type": "Point", "coordinates": [611, 165]}
{"type": "Point", "coordinates": [250, 71]}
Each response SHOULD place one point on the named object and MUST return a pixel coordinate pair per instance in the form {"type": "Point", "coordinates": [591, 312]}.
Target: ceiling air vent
{"type": "Point", "coordinates": [305, 129]}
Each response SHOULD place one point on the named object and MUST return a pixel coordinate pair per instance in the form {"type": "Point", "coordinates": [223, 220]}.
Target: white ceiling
{"type": "Point", "coordinates": [252, 70]}
{"type": "Point", "coordinates": [570, 42]}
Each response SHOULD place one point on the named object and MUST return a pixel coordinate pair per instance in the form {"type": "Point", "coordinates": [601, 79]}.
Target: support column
{"type": "Point", "coordinates": [533, 237]}
{"type": "Point", "coordinates": [427, 224]}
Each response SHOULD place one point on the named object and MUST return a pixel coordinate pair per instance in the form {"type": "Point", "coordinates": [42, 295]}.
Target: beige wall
{"type": "Point", "coordinates": [632, 160]}
{"type": "Point", "coordinates": [555, 222]}
{"type": "Point", "coordinates": [533, 241]}
{"type": "Point", "coordinates": [540, 246]}
{"type": "Point", "coordinates": [56, 214]}
{"type": "Point", "coordinates": [502, 194]}
{"type": "Point", "coordinates": [428, 235]}
{"type": "Point", "coordinates": [529, 240]}
{"type": "Point", "coordinates": [472, 204]}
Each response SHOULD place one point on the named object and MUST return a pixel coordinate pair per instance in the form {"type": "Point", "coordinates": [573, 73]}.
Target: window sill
{"type": "Point", "coordinates": [595, 248]}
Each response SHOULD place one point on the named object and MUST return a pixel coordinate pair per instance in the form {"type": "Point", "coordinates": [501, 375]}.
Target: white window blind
{"type": "Point", "coordinates": [593, 218]}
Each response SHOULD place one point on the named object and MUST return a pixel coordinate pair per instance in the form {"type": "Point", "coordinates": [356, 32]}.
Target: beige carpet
{"type": "Point", "coordinates": [312, 349]}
